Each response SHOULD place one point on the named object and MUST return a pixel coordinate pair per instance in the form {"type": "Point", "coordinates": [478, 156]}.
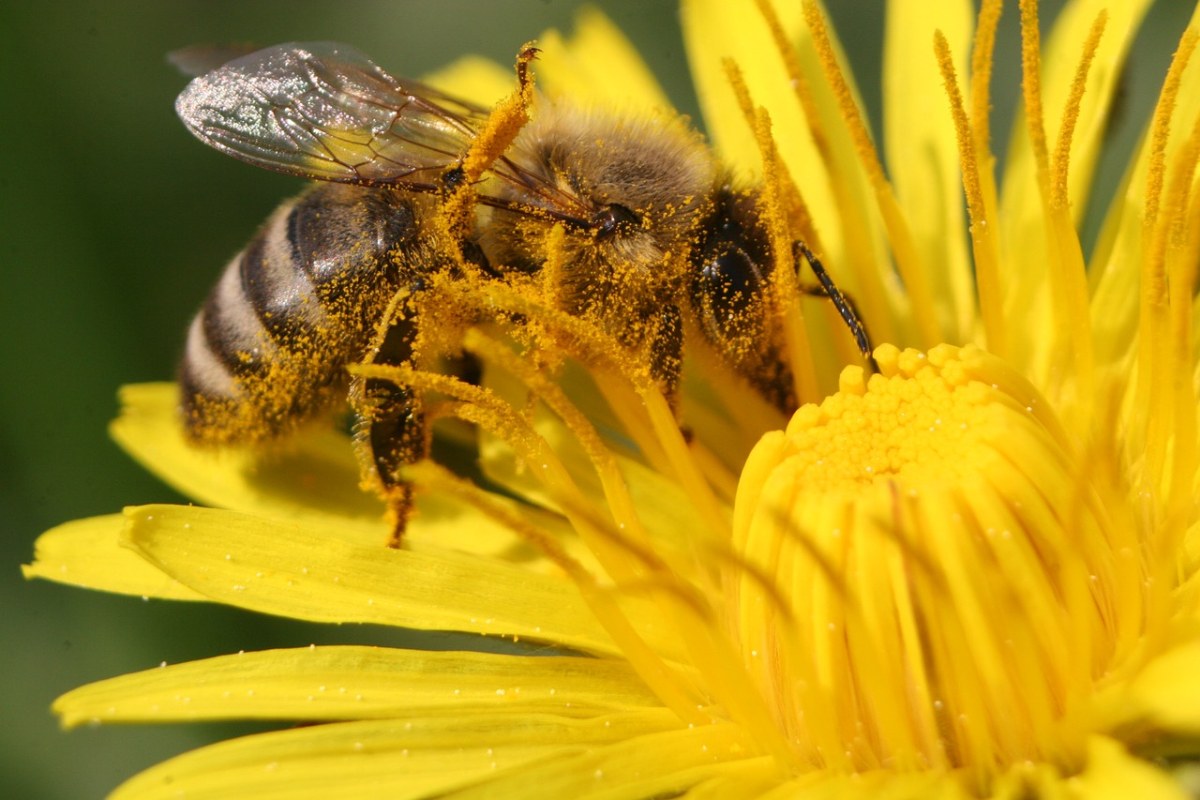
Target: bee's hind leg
{"type": "Point", "coordinates": [390, 431]}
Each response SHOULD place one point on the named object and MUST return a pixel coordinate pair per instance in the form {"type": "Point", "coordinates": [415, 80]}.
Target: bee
{"type": "Point", "coordinates": [650, 234]}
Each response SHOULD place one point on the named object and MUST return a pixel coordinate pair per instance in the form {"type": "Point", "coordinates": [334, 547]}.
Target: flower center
{"type": "Point", "coordinates": [928, 581]}
{"type": "Point", "coordinates": [923, 425]}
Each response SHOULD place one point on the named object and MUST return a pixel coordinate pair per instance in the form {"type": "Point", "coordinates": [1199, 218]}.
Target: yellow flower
{"type": "Point", "coordinates": [973, 573]}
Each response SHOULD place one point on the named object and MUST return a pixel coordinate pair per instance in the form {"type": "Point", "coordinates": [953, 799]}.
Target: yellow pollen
{"type": "Point", "coordinates": [914, 425]}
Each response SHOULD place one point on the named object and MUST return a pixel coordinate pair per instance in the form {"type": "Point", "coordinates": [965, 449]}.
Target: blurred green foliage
{"type": "Point", "coordinates": [113, 224]}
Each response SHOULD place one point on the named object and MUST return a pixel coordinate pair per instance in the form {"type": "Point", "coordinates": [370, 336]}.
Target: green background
{"type": "Point", "coordinates": [113, 224]}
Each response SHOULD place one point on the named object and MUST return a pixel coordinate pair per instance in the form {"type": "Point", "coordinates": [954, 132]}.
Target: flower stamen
{"type": "Point", "coordinates": [984, 243]}
{"type": "Point", "coordinates": [1155, 375]}
{"type": "Point", "coordinates": [858, 253]}
{"type": "Point", "coordinates": [908, 259]}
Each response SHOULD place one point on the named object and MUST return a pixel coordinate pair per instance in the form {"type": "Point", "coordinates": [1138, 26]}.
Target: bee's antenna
{"type": "Point", "coordinates": [841, 302]}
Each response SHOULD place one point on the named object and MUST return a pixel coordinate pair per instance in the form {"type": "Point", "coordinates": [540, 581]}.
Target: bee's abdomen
{"type": "Point", "coordinates": [269, 348]}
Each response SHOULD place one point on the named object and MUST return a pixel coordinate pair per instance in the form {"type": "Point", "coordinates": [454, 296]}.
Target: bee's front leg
{"type": "Point", "coordinates": [843, 302]}
{"type": "Point", "coordinates": [666, 352]}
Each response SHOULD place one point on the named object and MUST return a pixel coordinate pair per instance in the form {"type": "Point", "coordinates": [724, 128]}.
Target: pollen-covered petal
{"type": "Point", "coordinates": [310, 572]}
{"type": "Point", "coordinates": [315, 479]}
{"type": "Point", "coordinates": [421, 756]}
{"type": "Point", "coordinates": [312, 478]}
{"type": "Point", "coordinates": [922, 149]}
{"type": "Point", "coordinates": [932, 583]}
{"type": "Point", "coordinates": [347, 682]}
{"type": "Point", "coordinates": [597, 65]}
{"type": "Point", "coordinates": [88, 553]}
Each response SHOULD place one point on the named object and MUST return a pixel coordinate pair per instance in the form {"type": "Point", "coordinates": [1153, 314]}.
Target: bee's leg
{"type": "Point", "coordinates": [666, 359]}
{"type": "Point", "coordinates": [390, 431]}
{"type": "Point", "coordinates": [666, 352]}
{"type": "Point", "coordinates": [844, 304]}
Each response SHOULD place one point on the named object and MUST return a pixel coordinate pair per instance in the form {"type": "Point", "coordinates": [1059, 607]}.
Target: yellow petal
{"type": "Point", "coordinates": [597, 65]}
{"type": "Point", "coordinates": [922, 149]}
{"type": "Point", "coordinates": [313, 573]}
{"type": "Point", "coordinates": [416, 757]}
{"type": "Point", "coordinates": [654, 765]}
{"type": "Point", "coordinates": [715, 30]}
{"type": "Point", "coordinates": [751, 777]}
{"type": "Point", "coordinates": [87, 553]}
{"type": "Point", "coordinates": [1113, 774]}
{"type": "Point", "coordinates": [474, 78]}
{"type": "Point", "coordinates": [347, 682]}
{"type": "Point", "coordinates": [877, 785]}
{"type": "Point", "coordinates": [1166, 694]}
{"type": "Point", "coordinates": [314, 478]}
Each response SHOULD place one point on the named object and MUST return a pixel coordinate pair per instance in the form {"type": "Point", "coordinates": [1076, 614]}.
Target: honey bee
{"type": "Point", "coordinates": [652, 237]}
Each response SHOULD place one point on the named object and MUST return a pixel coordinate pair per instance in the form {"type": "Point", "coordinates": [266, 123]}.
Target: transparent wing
{"type": "Point", "coordinates": [325, 111]}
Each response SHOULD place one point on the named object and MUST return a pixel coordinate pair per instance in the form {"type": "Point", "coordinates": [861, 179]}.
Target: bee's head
{"type": "Point", "coordinates": [627, 190]}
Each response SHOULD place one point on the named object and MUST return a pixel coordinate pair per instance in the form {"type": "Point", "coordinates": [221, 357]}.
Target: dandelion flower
{"type": "Point", "coordinates": [970, 573]}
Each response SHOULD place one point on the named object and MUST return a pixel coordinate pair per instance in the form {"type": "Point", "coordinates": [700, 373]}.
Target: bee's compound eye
{"type": "Point", "coordinates": [613, 218]}
{"type": "Point", "coordinates": [730, 278]}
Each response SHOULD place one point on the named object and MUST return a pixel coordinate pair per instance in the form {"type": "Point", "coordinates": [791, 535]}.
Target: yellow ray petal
{"type": "Point", "coordinates": [597, 65]}
{"type": "Point", "coordinates": [654, 765]}
{"type": "Point", "coordinates": [87, 553]}
{"type": "Point", "coordinates": [417, 757]}
{"type": "Point", "coordinates": [922, 150]}
{"type": "Point", "coordinates": [1165, 694]}
{"type": "Point", "coordinates": [879, 785]}
{"type": "Point", "coordinates": [341, 683]}
{"type": "Point", "coordinates": [715, 31]}
{"type": "Point", "coordinates": [751, 777]}
{"type": "Point", "coordinates": [1113, 774]}
{"type": "Point", "coordinates": [474, 78]}
{"type": "Point", "coordinates": [314, 478]}
{"type": "Point", "coordinates": [312, 572]}
{"type": "Point", "coordinates": [317, 478]}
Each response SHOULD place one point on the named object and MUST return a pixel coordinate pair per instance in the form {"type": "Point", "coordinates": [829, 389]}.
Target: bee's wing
{"type": "Point", "coordinates": [325, 111]}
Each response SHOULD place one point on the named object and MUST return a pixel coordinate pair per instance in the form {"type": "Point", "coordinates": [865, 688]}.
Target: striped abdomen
{"type": "Point", "coordinates": [269, 348]}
